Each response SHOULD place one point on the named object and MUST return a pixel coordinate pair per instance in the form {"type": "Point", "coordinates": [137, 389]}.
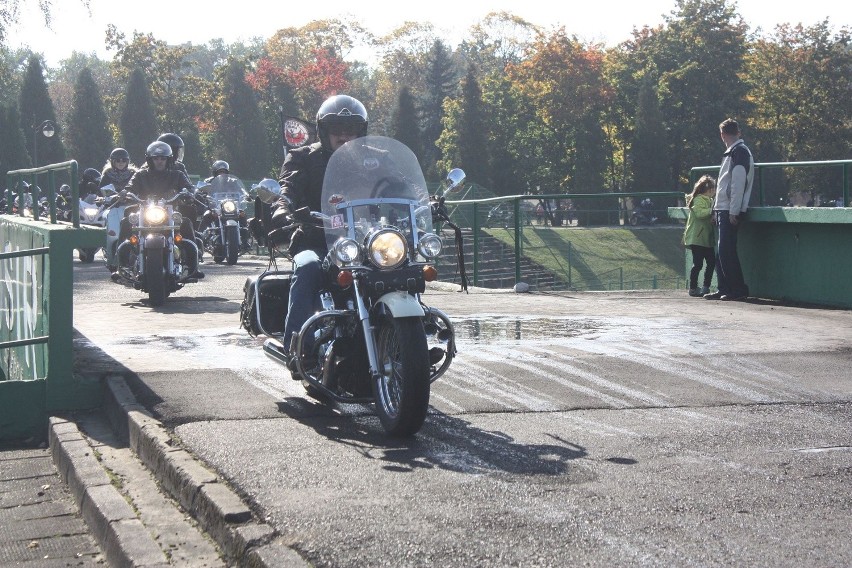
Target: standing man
{"type": "Point", "coordinates": [733, 190]}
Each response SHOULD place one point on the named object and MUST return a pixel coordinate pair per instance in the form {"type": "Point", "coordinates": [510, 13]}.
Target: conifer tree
{"type": "Point", "coordinates": [35, 106]}
{"type": "Point", "coordinates": [138, 123]}
{"type": "Point", "coordinates": [88, 136]}
{"type": "Point", "coordinates": [405, 124]}
{"type": "Point", "coordinates": [13, 150]}
{"type": "Point", "coordinates": [241, 137]}
{"type": "Point", "coordinates": [440, 84]}
{"type": "Point", "coordinates": [473, 139]}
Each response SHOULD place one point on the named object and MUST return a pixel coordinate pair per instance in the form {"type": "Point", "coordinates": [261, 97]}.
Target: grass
{"type": "Point", "coordinates": [605, 258]}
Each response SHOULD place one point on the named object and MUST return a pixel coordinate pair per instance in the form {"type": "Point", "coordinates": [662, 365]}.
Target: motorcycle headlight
{"type": "Point", "coordinates": [430, 245]}
{"type": "Point", "coordinates": [387, 249]}
{"type": "Point", "coordinates": [155, 215]}
{"type": "Point", "coordinates": [229, 207]}
{"type": "Point", "coordinates": [134, 219]}
{"type": "Point", "coordinates": [347, 251]}
{"type": "Point", "coordinates": [90, 212]}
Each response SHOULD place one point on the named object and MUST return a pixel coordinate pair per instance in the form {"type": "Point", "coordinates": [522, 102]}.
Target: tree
{"type": "Point", "coordinates": [13, 146]}
{"type": "Point", "coordinates": [800, 85]}
{"type": "Point", "coordinates": [35, 107]}
{"type": "Point", "coordinates": [404, 125]}
{"type": "Point", "coordinates": [240, 136]}
{"type": "Point", "coordinates": [138, 123]}
{"type": "Point", "coordinates": [473, 139]}
{"type": "Point", "coordinates": [88, 136]}
{"type": "Point", "coordinates": [440, 84]}
{"type": "Point", "coordinates": [648, 175]}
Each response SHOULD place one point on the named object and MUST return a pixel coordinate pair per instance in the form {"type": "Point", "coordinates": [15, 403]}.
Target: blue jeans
{"type": "Point", "coordinates": [729, 272]}
{"type": "Point", "coordinates": [305, 285]}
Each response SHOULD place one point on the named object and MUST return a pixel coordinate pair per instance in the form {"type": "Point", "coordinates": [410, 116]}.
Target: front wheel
{"type": "Point", "coordinates": [87, 255]}
{"type": "Point", "coordinates": [232, 244]}
{"type": "Point", "coordinates": [155, 281]}
{"type": "Point", "coordinates": [401, 391]}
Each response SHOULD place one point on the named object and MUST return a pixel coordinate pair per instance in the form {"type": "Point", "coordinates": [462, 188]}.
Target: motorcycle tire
{"type": "Point", "coordinates": [232, 244]}
{"type": "Point", "coordinates": [401, 391]}
{"type": "Point", "coordinates": [155, 282]}
{"type": "Point", "coordinates": [87, 255]}
{"type": "Point", "coordinates": [634, 220]}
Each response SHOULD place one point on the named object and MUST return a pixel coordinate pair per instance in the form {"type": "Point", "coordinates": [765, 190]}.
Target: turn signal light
{"type": "Point", "coordinates": [345, 278]}
{"type": "Point", "coordinates": [430, 273]}
{"type": "Point", "coordinates": [134, 239]}
{"type": "Point", "coordinates": [178, 238]}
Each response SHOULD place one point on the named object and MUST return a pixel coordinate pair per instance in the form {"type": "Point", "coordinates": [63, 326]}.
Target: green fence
{"type": "Point", "coordinates": [544, 241]}
{"type": "Point", "coordinates": [36, 314]}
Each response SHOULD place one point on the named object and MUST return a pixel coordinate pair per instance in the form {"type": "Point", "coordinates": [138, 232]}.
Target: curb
{"type": "Point", "coordinates": [218, 509]}
{"type": "Point", "coordinates": [114, 524]}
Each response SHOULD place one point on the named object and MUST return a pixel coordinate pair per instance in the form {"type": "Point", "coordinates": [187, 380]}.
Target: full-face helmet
{"type": "Point", "coordinates": [156, 149]}
{"type": "Point", "coordinates": [176, 144]}
{"type": "Point", "coordinates": [220, 167]}
{"type": "Point", "coordinates": [340, 109]}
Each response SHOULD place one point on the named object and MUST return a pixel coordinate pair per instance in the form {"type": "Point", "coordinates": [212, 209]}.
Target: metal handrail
{"type": "Point", "coordinates": [50, 169]}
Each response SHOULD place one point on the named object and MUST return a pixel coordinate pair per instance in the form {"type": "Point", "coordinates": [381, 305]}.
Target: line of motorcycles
{"type": "Point", "coordinates": [155, 258]}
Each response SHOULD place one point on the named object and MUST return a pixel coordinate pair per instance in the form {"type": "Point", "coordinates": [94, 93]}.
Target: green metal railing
{"type": "Point", "coordinates": [469, 213]}
{"type": "Point", "coordinates": [759, 177]}
{"type": "Point", "coordinates": [36, 309]}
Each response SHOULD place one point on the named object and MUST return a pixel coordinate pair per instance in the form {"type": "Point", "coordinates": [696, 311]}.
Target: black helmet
{"type": "Point", "coordinates": [118, 154]}
{"type": "Point", "coordinates": [340, 109]}
{"type": "Point", "coordinates": [220, 167]}
{"type": "Point", "coordinates": [158, 148]}
{"type": "Point", "coordinates": [176, 143]}
{"type": "Point", "coordinates": [90, 176]}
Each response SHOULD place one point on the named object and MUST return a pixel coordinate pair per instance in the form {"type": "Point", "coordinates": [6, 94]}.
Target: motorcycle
{"type": "Point", "coordinates": [223, 227]}
{"type": "Point", "coordinates": [153, 258]}
{"type": "Point", "coordinates": [644, 214]}
{"type": "Point", "coordinates": [93, 211]}
{"type": "Point", "coordinates": [374, 341]}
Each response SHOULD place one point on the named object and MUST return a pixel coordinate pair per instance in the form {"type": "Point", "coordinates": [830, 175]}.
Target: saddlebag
{"type": "Point", "coordinates": [267, 295]}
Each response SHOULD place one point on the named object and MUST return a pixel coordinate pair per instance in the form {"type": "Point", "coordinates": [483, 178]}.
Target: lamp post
{"type": "Point", "coordinates": [48, 129]}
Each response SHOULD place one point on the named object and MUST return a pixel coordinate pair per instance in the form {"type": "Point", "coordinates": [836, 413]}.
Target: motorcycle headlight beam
{"type": "Point", "coordinates": [387, 249]}
{"type": "Point", "coordinates": [229, 207]}
{"type": "Point", "coordinates": [155, 215]}
{"type": "Point", "coordinates": [430, 245]}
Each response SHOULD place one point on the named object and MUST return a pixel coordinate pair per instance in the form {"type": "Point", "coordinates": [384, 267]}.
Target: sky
{"type": "Point", "coordinates": [606, 21]}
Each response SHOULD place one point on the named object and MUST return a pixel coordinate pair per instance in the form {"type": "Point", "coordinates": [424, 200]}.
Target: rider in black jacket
{"type": "Point", "coordinates": [160, 181]}
{"type": "Point", "coordinates": [340, 118]}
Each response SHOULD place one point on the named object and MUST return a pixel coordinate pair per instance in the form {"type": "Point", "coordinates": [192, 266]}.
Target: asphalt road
{"type": "Point", "coordinates": [628, 429]}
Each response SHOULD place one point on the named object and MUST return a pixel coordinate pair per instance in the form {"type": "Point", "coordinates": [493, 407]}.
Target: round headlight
{"type": "Point", "coordinates": [347, 251]}
{"type": "Point", "coordinates": [229, 207]}
{"type": "Point", "coordinates": [430, 245]}
{"type": "Point", "coordinates": [155, 215]}
{"type": "Point", "coordinates": [387, 249]}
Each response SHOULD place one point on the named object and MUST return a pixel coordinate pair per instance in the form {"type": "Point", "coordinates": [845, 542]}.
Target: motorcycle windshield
{"type": "Point", "coordinates": [226, 186]}
{"type": "Point", "coordinates": [374, 182]}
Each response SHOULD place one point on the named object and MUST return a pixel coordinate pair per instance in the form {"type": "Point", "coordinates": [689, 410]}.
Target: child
{"type": "Point", "coordinates": [698, 235]}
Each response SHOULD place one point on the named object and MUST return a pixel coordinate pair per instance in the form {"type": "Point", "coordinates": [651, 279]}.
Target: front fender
{"type": "Point", "coordinates": [401, 304]}
{"type": "Point", "coordinates": [155, 241]}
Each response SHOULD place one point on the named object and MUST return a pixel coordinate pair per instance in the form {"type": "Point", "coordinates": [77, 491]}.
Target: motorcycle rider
{"type": "Point", "coordinates": [175, 142]}
{"type": "Point", "coordinates": [218, 167]}
{"type": "Point", "coordinates": [160, 180]}
{"type": "Point", "coordinates": [118, 170]}
{"type": "Point", "coordinates": [340, 118]}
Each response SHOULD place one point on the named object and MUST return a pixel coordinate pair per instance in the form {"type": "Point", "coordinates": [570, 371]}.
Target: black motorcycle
{"type": "Point", "coordinates": [374, 340]}
{"type": "Point", "coordinates": [223, 228]}
{"type": "Point", "coordinates": [154, 257]}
